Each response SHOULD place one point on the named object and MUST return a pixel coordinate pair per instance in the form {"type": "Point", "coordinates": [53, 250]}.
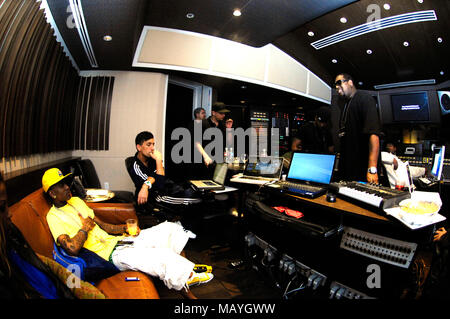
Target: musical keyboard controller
{"type": "Point", "coordinates": [373, 194]}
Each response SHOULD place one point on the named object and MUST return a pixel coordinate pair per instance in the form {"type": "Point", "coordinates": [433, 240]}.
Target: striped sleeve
{"type": "Point", "coordinates": [137, 170]}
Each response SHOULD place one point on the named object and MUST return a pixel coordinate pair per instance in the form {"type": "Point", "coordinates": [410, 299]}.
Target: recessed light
{"type": "Point", "coordinates": [237, 13]}
{"type": "Point", "coordinates": [190, 15]}
{"type": "Point", "coordinates": [107, 38]}
{"type": "Point", "coordinates": [406, 44]}
{"type": "Point", "coordinates": [440, 40]}
{"type": "Point", "coordinates": [311, 34]}
{"type": "Point", "coordinates": [386, 6]}
{"type": "Point", "coordinates": [369, 51]}
{"type": "Point", "coordinates": [343, 20]}
{"type": "Point", "coordinates": [334, 61]}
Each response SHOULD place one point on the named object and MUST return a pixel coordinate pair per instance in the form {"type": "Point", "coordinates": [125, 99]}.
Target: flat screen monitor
{"type": "Point", "coordinates": [437, 162]}
{"type": "Point", "coordinates": [315, 168]}
{"type": "Point", "coordinates": [265, 167]}
{"type": "Point", "coordinates": [410, 107]}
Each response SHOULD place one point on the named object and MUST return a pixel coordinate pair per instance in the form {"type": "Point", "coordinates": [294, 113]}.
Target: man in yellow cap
{"type": "Point", "coordinates": [155, 251]}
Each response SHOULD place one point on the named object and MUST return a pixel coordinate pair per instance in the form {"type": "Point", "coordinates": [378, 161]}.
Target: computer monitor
{"type": "Point", "coordinates": [270, 167]}
{"type": "Point", "coordinates": [410, 107]}
{"type": "Point", "coordinates": [437, 162]}
{"type": "Point", "coordinates": [308, 167]}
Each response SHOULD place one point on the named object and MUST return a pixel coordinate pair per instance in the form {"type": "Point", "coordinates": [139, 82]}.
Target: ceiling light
{"type": "Point", "coordinates": [107, 38]}
{"type": "Point", "coordinates": [343, 20]}
{"type": "Point", "coordinates": [406, 44]}
{"type": "Point", "coordinates": [273, 104]}
{"type": "Point", "coordinates": [369, 51]}
{"type": "Point", "coordinates": [311, 34]}
{"type": "Point", "coordinates": [360, 83]}
{"type": "Point", "coordinates": [440, 40]}
{"type": "Point", "coordinates": [243, 87]}
{"type": "Point", "coordinates": [420, 1]}
{"type": "Point", "coordinates": [242, 102]}
{"type": "Point", "coordinates": [386, 6]}
{"type": "Point", "coordinates": [334, 61]}
{"type": "Point", "coordinates": [237, 13]}
{"type": "Point", "coordinates": [190, 15]}
{"type": "Point", "coordinates": [441, 73]}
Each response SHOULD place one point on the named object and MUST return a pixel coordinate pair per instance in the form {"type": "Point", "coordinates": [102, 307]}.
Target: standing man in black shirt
{"type": "Point", "coordinates": [201, 170]}
{"type": "Point", "coordinates": [359, 131]}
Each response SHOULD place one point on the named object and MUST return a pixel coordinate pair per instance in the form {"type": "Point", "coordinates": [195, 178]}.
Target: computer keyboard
{"type": "Point", "coordinates": [301, 189]}
{"type": "Point", "coordinates": [298, 186]}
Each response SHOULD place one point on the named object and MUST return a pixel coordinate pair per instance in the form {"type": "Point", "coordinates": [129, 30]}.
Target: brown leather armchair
{"type": "Point", "coordinates": [29, 215]}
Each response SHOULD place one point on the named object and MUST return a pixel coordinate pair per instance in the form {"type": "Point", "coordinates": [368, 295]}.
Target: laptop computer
{"type": "Point", "coordinates": [435, 174]}
{"type": "Point", "coordinates": [218, 181]}
{"type": "Point", "coordinates": [309, 174]}
{"type": "Point", "coordinates": [260, 171]}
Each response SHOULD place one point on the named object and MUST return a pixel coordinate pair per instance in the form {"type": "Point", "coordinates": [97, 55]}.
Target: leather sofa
{"type": "Point", "coordinates": [29, 215]}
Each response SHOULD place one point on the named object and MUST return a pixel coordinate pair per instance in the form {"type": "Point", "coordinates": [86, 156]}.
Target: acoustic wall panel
{"type": "Point", "coordinates": [238, 59]}
{"type": "Point", "coordinates": [164, 48]}
{"type": "Point", "coordinates": [40, 89]}
{"type": "Point", "coordinates": [173, 48]}
{"type": "Point", "coordinates": [285, 71]}
{"type": "Point", "coordinates": [318, 88]}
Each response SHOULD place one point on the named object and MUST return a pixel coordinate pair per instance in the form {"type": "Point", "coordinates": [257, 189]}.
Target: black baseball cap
{"type": "Point", "coordinates": [220, 107]}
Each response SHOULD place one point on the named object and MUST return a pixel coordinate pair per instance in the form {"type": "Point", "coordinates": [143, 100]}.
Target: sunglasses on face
{"type": "Point", "coordinates": [339, 82]}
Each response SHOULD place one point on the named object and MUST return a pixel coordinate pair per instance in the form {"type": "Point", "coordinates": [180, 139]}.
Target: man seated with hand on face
{"type": "Point", "coordinates": [155, 251]}
{"type": "Point", "coordinates": [147, 171]}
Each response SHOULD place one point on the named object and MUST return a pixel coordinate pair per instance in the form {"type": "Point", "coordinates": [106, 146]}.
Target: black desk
{"type": "Point", "coordinates": [324, 254]}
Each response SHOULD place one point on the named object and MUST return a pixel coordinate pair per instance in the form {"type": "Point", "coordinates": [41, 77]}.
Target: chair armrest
{"type": "Point", "coordinates": [113, 213]}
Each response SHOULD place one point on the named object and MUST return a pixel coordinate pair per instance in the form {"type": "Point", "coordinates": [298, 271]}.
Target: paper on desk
{"type": "Point", "coordinates": [418, 195]}
{"type": "Point", "coordinates": [96, 192]}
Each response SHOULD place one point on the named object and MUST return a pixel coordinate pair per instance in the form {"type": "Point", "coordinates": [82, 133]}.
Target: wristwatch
{"type": "Point", "coordinates": [372, 170]}
{"type": "Point", "coordinates": [148, 184]}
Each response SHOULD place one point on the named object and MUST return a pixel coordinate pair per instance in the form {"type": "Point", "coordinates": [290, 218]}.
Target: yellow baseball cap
{"type": "Point", "coordinates": [51, 177]}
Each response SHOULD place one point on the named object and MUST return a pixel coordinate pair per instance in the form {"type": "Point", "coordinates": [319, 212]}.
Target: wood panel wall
{"type": "Point", "coordinates": [45, 106]}
{"type": "Point", "coordinates": [93, 113]}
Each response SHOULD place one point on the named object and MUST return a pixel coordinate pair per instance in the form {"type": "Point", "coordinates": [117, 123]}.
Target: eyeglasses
{"type": "Point", "coordinates": [339, 82]}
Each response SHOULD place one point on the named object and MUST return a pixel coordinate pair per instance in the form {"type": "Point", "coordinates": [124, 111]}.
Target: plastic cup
{"type": "Point", "coordinates": [132, 227]}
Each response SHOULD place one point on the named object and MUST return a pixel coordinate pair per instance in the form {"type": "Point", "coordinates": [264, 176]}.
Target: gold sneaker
{"type": "Point", "coordinates": [199, 278]}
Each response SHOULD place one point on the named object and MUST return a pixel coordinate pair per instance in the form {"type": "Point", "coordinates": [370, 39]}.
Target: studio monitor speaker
{"type": "Point", "coordinates": [444, 101]}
